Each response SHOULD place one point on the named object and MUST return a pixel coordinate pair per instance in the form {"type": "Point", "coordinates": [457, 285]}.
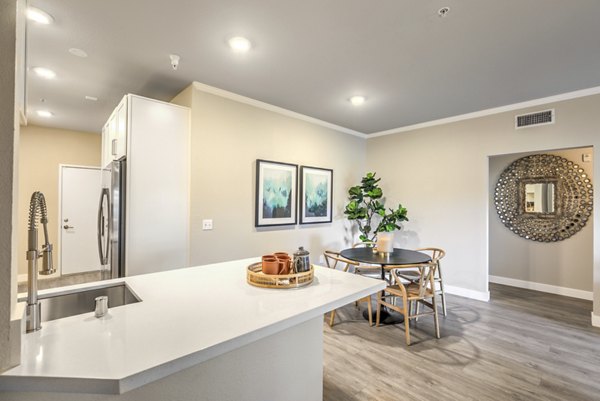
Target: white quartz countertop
{"type": "Point", "coordinates": [186, 317]}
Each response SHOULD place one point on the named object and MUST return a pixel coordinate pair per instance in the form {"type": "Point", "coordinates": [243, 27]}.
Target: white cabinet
{"type": "Point", "coordinates": [158, 186]}
{"type": "Point", "coordinates": [120, 135]}
{"type": "Point", "coordinates": [106, 157]}
{"type": "Point", "coordinates": [114, 133]}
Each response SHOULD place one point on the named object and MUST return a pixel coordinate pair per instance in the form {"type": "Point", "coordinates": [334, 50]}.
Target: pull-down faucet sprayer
{"type": "Point", "coordinates": [37, 209]}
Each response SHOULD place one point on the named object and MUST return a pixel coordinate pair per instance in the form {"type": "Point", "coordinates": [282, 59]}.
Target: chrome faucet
{"type": "Point", "coordinates": [37, 209]}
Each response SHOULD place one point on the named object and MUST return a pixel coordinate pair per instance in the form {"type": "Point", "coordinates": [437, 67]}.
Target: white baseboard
{"type": "Point", "coordinates": [552, 289]}
{"type": "Point", "coordinates": [595, 320]}
{"type": "Point", "coordinates": [467, 293]}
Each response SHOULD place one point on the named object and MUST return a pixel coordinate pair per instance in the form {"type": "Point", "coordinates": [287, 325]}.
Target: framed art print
{"type": "Point", "coordinates": [316, 195]}
{"type": "Point", "coordinates": [276, 193]}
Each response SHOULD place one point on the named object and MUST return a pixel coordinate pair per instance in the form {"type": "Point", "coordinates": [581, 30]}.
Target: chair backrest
{"type": "Point", "coordinates": [332, 258]}
{"type": "Point", "coordinates": [436, 254]}
{"type": "Point", "coordinates": [426, 279]}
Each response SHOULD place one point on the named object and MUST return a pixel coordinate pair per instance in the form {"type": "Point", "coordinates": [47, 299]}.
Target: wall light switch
{"type": "Point", "coordinates": [586, 157]}
{"type": "Point", "coordinates": [207, 225]}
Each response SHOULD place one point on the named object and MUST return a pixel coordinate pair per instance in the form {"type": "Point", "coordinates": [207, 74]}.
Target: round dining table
{"type": "Point", "coordinates": [386, 261]}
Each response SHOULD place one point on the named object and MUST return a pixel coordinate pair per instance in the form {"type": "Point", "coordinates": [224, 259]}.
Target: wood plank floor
{"type": "Point", "coordinates": [522, 345]}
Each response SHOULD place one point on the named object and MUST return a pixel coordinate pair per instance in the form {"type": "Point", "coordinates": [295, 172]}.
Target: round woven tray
{"type": "Point", "coordinates": [257, 278]}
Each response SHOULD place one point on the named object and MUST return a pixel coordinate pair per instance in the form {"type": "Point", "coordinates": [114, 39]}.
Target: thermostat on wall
{"type": "Point", "coordinates": [586, 157]}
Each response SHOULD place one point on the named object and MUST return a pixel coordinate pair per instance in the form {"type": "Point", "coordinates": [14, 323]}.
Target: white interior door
{"type": "Point", "coordinates": [79, 195]}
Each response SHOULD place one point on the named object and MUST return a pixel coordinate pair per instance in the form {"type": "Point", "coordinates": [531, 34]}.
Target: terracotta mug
{"type": "Point", "coordinates": [278, 254]}
{"type": "Point", "coordinates": [270, 265]}
{"type": "Point", "coordinates": [284, 263]}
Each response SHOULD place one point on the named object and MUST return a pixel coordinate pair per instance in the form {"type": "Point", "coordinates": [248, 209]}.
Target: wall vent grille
{"type": "Point", "coordinates": [534, 119]}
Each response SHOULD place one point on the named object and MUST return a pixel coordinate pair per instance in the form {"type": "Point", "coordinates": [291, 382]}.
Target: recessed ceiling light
{"type": "Point", "coordinates": [239, 44]}
{"type": "Point", "coordinates": [357, 100]}
{"type": "Point", "coordinates": [44, 72]}
{"type": "Point", "coordinates": [91, 98]}
{"type": "Point", "coordinates": [78, 52]}
{"type": "Point", "coordinates": [39, 16]}
{"type": "Point", "coordinates": [44, 113]}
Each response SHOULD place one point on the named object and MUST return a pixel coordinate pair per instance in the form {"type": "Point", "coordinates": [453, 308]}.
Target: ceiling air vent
{"type": "Point", "coordinates": [533, 119]}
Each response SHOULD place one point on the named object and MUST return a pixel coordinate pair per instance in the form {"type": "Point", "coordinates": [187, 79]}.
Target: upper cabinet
{"type": "Point", "coordinates": [114, 134]}
{"type": "Point", "coordinates": [120, 136]}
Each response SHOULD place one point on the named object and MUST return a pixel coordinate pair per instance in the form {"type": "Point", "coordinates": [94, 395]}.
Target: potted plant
{"type": "Point", "coordinates": [366, 207]}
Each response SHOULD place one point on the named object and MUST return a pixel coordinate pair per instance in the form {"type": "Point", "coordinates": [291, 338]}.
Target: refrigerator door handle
{"type": "Point", "coordinates": [101, 228]}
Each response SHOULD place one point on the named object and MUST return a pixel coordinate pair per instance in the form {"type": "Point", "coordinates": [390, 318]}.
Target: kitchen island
{"type": "Point", "coordinates": [199, 333]}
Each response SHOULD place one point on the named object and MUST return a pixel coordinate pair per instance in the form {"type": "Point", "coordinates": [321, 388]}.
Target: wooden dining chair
{"type": "Point", "coordinates": [422, 292]}
{"type": "Point", "coordinates": [335, 261]}
{"type": "Point", "coordinates": [436, 254]}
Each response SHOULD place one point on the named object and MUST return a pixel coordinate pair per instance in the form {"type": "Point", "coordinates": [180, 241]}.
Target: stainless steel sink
{"type": "Point", "coordinates": [83, 301]}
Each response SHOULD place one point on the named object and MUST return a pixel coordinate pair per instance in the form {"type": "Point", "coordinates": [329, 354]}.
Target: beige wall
{"type": "Point", "coordinates": [41, 151]}
{"type": "Point", "coordinates": [9, 133]}
{"type": "Point", "coordinates": [227, 138]}
{"type": "Point", "coordinates": [567, 263]}
{"type": "Point", "coordinates": [440, 174]}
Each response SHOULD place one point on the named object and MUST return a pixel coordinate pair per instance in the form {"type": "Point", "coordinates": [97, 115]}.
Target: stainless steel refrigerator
{"type": "Point", "coordinates": [111, 220]}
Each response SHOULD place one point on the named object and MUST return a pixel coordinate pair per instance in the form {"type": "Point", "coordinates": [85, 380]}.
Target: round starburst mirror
{"type": "Point", "coordinates": [544, 198]}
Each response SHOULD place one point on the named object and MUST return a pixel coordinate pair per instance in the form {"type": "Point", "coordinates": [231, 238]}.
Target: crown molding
{"type": "Point", "coordinates": [276, 109]}
{"type": "Point", "coordinates": [487, 112]}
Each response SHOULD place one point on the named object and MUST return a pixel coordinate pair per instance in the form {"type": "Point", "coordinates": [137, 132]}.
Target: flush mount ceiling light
{"type": "Point", "coordinates": [44, 113]}
{"type": "Point", "coordinates": [91, 98]}
{"type": "Point", "coordinates": [78, 52]}
{"type": "Point", "coordinates": [44, 72]}
{"type": "Point", "coordinates": [239, 44]}
{"type": "Point", "coordinates": [39, 16]}
{"type": "Point", "coordinates": [357, 100]}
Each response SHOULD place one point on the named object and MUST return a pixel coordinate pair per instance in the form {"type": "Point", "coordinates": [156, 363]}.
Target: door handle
{"type": "Point", "coordinates": [67, 227]}
{"type": "Point", "coordinates": [102, 252]}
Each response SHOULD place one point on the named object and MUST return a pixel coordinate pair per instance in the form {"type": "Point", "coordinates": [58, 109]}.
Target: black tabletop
{"type": "Point", "coordinates": [398, 257]}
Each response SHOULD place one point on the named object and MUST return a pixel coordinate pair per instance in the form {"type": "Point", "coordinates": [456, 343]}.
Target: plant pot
{"type": "Point", "coordinates": [385, 242]}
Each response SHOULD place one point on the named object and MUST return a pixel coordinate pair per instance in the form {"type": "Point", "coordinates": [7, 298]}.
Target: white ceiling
{"type": "Point", "coordinates": [310, 56]}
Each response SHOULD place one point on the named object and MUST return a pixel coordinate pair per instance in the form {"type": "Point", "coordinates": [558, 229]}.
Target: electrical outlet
{"type": "Point", "coordinates": [321, 259]}
{"type": "Point", "coordinates": [207, 224]}
{"type": "Point", "coordinates": [586, 157]}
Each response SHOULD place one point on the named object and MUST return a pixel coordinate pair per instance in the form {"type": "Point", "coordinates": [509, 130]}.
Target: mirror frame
{"type": "Point", "coordinates": [573, 198]}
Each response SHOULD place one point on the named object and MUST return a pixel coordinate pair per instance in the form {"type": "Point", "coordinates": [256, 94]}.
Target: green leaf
{"type": "Point", "coordinates": [355, 191]}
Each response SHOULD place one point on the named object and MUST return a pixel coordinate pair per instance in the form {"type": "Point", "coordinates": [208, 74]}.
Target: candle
{"type": "Point", "coordinates": [385, 242]}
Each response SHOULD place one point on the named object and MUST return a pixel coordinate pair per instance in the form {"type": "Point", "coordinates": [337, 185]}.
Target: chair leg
{"type": "Point", "coordinates": [417, 307]}
{"type": "Point", "coordinates": [436, 321]}
{"type": "Point", "coordinates": [370, 310]}
{"type": "Point", "coordinates": [406, 322]}
{"type": "Point", "coordinates": [377, 315]}
{"type": "Point", "coordinates": [443, 294]}
{"type": "Point", "coordinates": [331, 318]}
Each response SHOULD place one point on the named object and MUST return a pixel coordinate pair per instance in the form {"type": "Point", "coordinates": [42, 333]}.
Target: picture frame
{"type": "Point", "coordinates": [276, 194]}
{"type": "Point", "coordinates": [316, 195]}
